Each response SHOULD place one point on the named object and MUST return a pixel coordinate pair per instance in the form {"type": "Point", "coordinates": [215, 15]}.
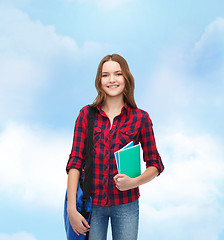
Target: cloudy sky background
{"type": "Point", "coordinates": [49, 53]}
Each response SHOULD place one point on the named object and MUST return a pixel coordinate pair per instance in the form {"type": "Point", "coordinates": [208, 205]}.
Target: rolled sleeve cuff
{"type": "Point", "coordinates": [74, 163]}
{"type": "Point", "coordinates": [153, 163]}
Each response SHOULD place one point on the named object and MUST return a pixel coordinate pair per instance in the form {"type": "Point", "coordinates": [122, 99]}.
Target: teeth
{"type": "Point", "coordinates": [112, 86]}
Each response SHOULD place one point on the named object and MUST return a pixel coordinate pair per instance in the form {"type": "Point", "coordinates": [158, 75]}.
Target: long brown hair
{"type": "Point", "coordinates": [129, 81]}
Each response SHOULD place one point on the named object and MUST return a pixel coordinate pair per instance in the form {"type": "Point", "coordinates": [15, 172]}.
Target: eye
{"type": "Point", "coordinates": [104, 75]}
{"type": "Point", "coordinates": [119, 74]}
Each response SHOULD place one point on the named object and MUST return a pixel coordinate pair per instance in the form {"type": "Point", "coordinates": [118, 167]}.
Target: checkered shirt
{"type": "Point", "coordinates": [132, 124]}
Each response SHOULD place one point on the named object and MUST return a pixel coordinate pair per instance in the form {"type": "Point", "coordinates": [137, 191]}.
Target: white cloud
{"type": "Point", "coordinates": [28, 50]}
{"type": "Point", "coordinates": [33, 160]}
{"type": "Point", "coordinates": [17, 236]}
{"type": "Point", "coordinates": [184, 202]}
{"type": "Point", "coordinates": [213, 36]}
{"type": "Point", "coordinates": [25, 36]}
{"type": "Point", "coordinates": [30, 56]}
{"type": "Point", "coordinates": [194, 167]}
{"type": "Point", "coordinates": [190, 81]}
{"type": "Point", "coordinates": [32, 167]}
{"type": "Point", "coordinates": [207, 59]}
{"type": "Point", "coordinates": [180, 222]}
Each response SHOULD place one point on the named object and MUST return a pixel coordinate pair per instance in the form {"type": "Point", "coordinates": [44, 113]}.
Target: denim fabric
{"type": "Point", "coordinates": [124, 221]}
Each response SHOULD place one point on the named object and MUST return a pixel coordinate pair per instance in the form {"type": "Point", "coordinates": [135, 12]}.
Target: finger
{"type": "Point", "coordinates": [122, 175]}
{"type": "Point", "coordinates": [74, 229]}
{"type": "Point", "coordinates": [116, 176]}
{"type": "Point", "coordinates": [81, 231]}
{"type": "Point", "coordinates": [84, 227]}
{"type": "Point", "coordinates": [84, 232]}
{"type": "Point", "coordinates": [85, 223]}
{"type": "Point", "coordinates": [118, 186]}
{"type": "Point", "coordinates": [119, 175]}
{"type": "Point", "coordinates": [76, 232]}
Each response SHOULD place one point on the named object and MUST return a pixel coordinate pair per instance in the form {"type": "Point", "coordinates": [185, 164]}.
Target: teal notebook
{"type": "Point", "coordinates": [130, 144]}
{"type": "Point", "coordinates": [129, 161]}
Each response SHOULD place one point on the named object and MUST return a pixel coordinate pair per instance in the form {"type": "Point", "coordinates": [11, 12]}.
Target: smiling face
{"type": "Point", "coordinates": [113, 69]}
{"type": "Point", "coordinates": [112, 79]}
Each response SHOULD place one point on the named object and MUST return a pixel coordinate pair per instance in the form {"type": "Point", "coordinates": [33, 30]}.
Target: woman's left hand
{"type": "Point", "coordinates": [123, 182]}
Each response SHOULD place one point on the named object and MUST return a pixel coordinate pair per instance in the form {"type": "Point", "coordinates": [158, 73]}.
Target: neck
{"type": "Point", "coordinates": [113, 104]}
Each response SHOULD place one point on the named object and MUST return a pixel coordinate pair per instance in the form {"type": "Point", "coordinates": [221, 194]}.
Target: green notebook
{"type": "Point", "coordinates": [129, 161]}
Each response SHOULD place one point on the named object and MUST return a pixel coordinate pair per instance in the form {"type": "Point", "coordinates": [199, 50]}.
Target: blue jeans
{"type": "Point", "coordinates": [124, 221]}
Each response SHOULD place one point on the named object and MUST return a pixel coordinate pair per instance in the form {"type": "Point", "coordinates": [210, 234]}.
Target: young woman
{"type": "Point", "coordinates": [118, 121]}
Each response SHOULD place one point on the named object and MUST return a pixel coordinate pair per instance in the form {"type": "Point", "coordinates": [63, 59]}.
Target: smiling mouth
{"type": "Point", "coordinates": [113, 86]}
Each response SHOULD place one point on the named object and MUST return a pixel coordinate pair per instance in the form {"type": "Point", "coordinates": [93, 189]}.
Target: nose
{"type": "Point", "coordinates": [112, 78]}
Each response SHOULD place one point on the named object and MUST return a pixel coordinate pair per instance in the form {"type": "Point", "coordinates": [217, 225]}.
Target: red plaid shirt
{"type": "Point", "coordinates": [131, 125]}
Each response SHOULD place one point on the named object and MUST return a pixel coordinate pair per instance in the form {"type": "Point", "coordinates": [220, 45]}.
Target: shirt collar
{"type": "Point", "coordinates": [100, 110]}
{"type": "Point", "coordinates": [125, 107]}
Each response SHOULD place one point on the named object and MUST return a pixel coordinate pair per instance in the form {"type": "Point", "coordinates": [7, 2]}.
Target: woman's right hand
{"type": "Point", "coordinates": [78, 222]}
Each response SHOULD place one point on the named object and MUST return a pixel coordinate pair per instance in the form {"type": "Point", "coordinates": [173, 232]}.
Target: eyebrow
{"type": "Point", "coordinates": [115, 71]}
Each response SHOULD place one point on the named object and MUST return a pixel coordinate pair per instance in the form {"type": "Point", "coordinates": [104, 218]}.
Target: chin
{"type": "Point", "coordinates": [115, 94]}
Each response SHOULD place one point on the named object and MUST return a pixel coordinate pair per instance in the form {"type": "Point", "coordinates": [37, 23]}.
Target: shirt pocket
{"type": "Point", "coordinates": [126, 136]}
{"type": "Point", "coordinates": [97, 134]}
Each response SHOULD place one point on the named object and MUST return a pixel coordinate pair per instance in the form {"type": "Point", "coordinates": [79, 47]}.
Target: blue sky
{"type": "Point", "coordinates": [49, 53]}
